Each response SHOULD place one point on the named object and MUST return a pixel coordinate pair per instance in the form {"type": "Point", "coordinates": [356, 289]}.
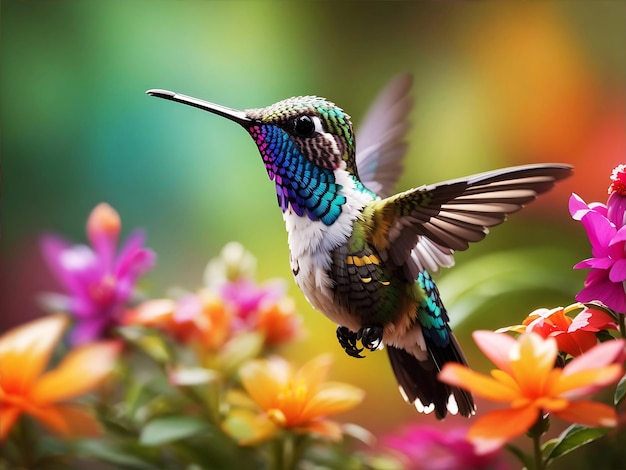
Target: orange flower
{"type": "Point", "coordinates": [528, 381]}
{"type": "Point", "coordinates": [279, 322]}
{"type": "Point", "coordinates": [299, 401]}
{"type": "Point", "coordinates": [573, 336]}
{"type": "Point", "coordinates": [26, 388]}
{"type": "Point", "coordinates": [203, 318]}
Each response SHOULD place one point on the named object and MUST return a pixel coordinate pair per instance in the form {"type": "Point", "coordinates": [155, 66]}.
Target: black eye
{"type": "Point", "coordinates": [304, 126]}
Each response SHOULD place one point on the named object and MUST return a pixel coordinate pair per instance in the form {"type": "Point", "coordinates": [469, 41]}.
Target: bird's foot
{"type": "Point", "coordinates": [371, 338]}
{"type": "Point", "coordinates": [347, 340]}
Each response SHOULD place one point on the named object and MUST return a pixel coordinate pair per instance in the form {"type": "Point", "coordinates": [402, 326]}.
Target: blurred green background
{"type": "Point", "coordinates": [496, 84]}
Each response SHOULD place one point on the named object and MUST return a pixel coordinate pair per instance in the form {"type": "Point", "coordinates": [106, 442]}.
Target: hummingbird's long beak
{"type": "Point", "coordinates": [229, 113]}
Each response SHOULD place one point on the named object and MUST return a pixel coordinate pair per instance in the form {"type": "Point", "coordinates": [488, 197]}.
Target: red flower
{"type": "Point", "coordinates": [573, 336]}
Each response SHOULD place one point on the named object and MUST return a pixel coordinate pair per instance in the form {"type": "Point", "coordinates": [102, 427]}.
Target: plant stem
{"type": "Point", "coordinates": [537, 451]}
{"type": "Point", "coordinates": [286, 452]}
{"type": "Point", "coordinates": [622, 324]}
{"type": "Point", "coordinates": [25, 444]}
{"type": "Point", "coordinates": [535, 432]}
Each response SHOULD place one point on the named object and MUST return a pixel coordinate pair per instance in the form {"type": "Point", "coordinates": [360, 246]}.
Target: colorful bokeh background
{"type": "Point", "coordinates": [495, 84]}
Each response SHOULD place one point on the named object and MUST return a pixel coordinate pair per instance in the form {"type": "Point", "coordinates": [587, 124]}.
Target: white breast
{"type": "Point", "coordinates": [310, 246]}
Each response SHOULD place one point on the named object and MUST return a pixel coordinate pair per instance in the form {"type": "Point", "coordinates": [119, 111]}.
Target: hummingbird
{"type": "Point", "coordinates": [364, 256]}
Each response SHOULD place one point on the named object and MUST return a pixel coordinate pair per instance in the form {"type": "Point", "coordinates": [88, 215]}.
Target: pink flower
{"type": "Point", "coordinates": [99, 281]}
{"type": "Point", "coordinates": [430, 448]}
{"type": "Point", "coordinates": [246, 298]}
{"type": "Point", "coordinates": [253, 306]}
{"type": "Point", "coordinates": [606, 231]}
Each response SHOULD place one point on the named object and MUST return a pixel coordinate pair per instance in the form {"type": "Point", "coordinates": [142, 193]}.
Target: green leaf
{"type": "Point", "coordinates": [548, 446]}
{"type": "Point", "coordinates": [620, 391]}
{"type": "Point", "coordinates": [574, 437]}
{"type": "Point", "coordinates": [112, 453]}
{"type": "Point", "coordinates": [359, 433]}
{"type": "Point", "coordinates": [240, 349]}
{"type": "Point", "coordinates": [168, 429]}
{"type": "Point", "coordinates": [188, 376]}
{"type": "Point", "coordinates": [149, 341]}
{"type": "Point", "coordinates": [604, 335]}
{"type": "Point", "coordinates": [472, 285]}
{"type": "Point", "coordinates": [523, 457]}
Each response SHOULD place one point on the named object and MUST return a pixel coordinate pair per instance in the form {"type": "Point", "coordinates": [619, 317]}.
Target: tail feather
{"type": "Point", "coordinates": [420, 386]}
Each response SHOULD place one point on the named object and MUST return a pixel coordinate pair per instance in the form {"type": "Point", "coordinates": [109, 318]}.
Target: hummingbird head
{"type": "Point", "coordinates": [321, 131]}
{"type": "Point", "coordinates": [302, 141]}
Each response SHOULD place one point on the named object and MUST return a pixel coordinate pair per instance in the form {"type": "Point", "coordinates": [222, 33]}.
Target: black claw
{"type": "Point", "coordinates": [371, 337]}
{"type": "Point", "coordinates": [347, 340]}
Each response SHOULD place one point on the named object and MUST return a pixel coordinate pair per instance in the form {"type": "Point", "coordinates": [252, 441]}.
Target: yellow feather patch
{"type": "Point", "coordinates": [373, 259]}
{"type": "Point", "coordinates": [362, 260]}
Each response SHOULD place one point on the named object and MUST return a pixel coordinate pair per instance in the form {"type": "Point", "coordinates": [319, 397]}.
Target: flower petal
{"type": "Point", "coordinates": [576, 342]}
{"type": "Point", "coordinates": [333, 398]}
{"type": "Point", "coordinates": [247, 427]}
{"type": "Point", "coordinates": [151, 313]}
{"type": "Point", "coordinates": [617, 273]}
{"type": "Point", "coordinates": [481, 385]}
{"type": "Point", "coordinates": [67, 420]}
{"type": "Point", "coordinates": [89, 329]}
{"type": "Point", "coordinates": [8, 417]}
{"type": "Point", "coordinates": [599, 287]}
{"type": "Point", "coordinates": [591, 319]}
{"type": "Point", "coordinates": [616, 204]}
{"type": "Point", "coordinates": [78, 422]}
{"type": "Point", "coordinates": [58, 253]}
{"type": "Point", "coordinates": [577, 207]}
{"type": "Point", "coordinates": [601, 355]}
{"type": "Point", "coordinates": [79, 372]}
{"type": "Point", "coordinates": [133, 259]}
{"type": "Point", "coordinates": [325, 428]}
{"type": "Point", "coordinates": [531, 362]}
{"type": "Point", "coordinates": [503, 425]}
{"type": "Point", "coordinates": [587, 381]}
{"type": "Point", "coordinates": [315, 371]}
{"type": "Point", "coordinates": [589, 414]}
{"type": "Point", "coordinates": [600, 231]}
{"type": "Point", "coordinates": [496, 347]}
{"type": "Point", "coordinates": [103, 229]}
{"type": "Point", "coordinates": [264, 378]}
{"type": "Point", "coordinates": [26, 350]}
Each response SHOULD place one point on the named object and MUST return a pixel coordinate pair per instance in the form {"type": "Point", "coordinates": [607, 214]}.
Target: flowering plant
{"type": "Point", "coordinates": [195, 379]}
{"type": "Point", "coordinates": [557, 359]}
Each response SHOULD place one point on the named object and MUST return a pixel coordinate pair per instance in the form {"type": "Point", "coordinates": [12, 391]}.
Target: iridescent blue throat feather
{"type": "Point", "coordinates": [306, 187]}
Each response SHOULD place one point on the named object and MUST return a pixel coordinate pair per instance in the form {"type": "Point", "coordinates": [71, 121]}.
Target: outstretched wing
{"type": "Point", "coordinates": [422, 227]}
{"type": "Point", "coordinates": [380, 145]}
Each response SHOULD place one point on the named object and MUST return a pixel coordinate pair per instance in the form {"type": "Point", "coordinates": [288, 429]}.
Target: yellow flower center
{"type": "Point", "coordinates": [277, 416]}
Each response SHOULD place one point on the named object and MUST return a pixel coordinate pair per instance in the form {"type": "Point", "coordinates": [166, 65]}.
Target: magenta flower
{"type": "Point", "coordinates": [246, 298]}
{"type": "Point", "coordinates": [98, 280]}
{"type": "Point", "coordinates": [231, 276]}
{"type": "Point", "coordinates": [606, 231]}
{"type": "Point", "coordinates": [427, 447]}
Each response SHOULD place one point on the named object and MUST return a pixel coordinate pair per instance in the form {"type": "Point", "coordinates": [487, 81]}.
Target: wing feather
{"type": "Point", "coordinates": [425, 225]}
{"type": "Point", "coordinates": [380, 146]}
